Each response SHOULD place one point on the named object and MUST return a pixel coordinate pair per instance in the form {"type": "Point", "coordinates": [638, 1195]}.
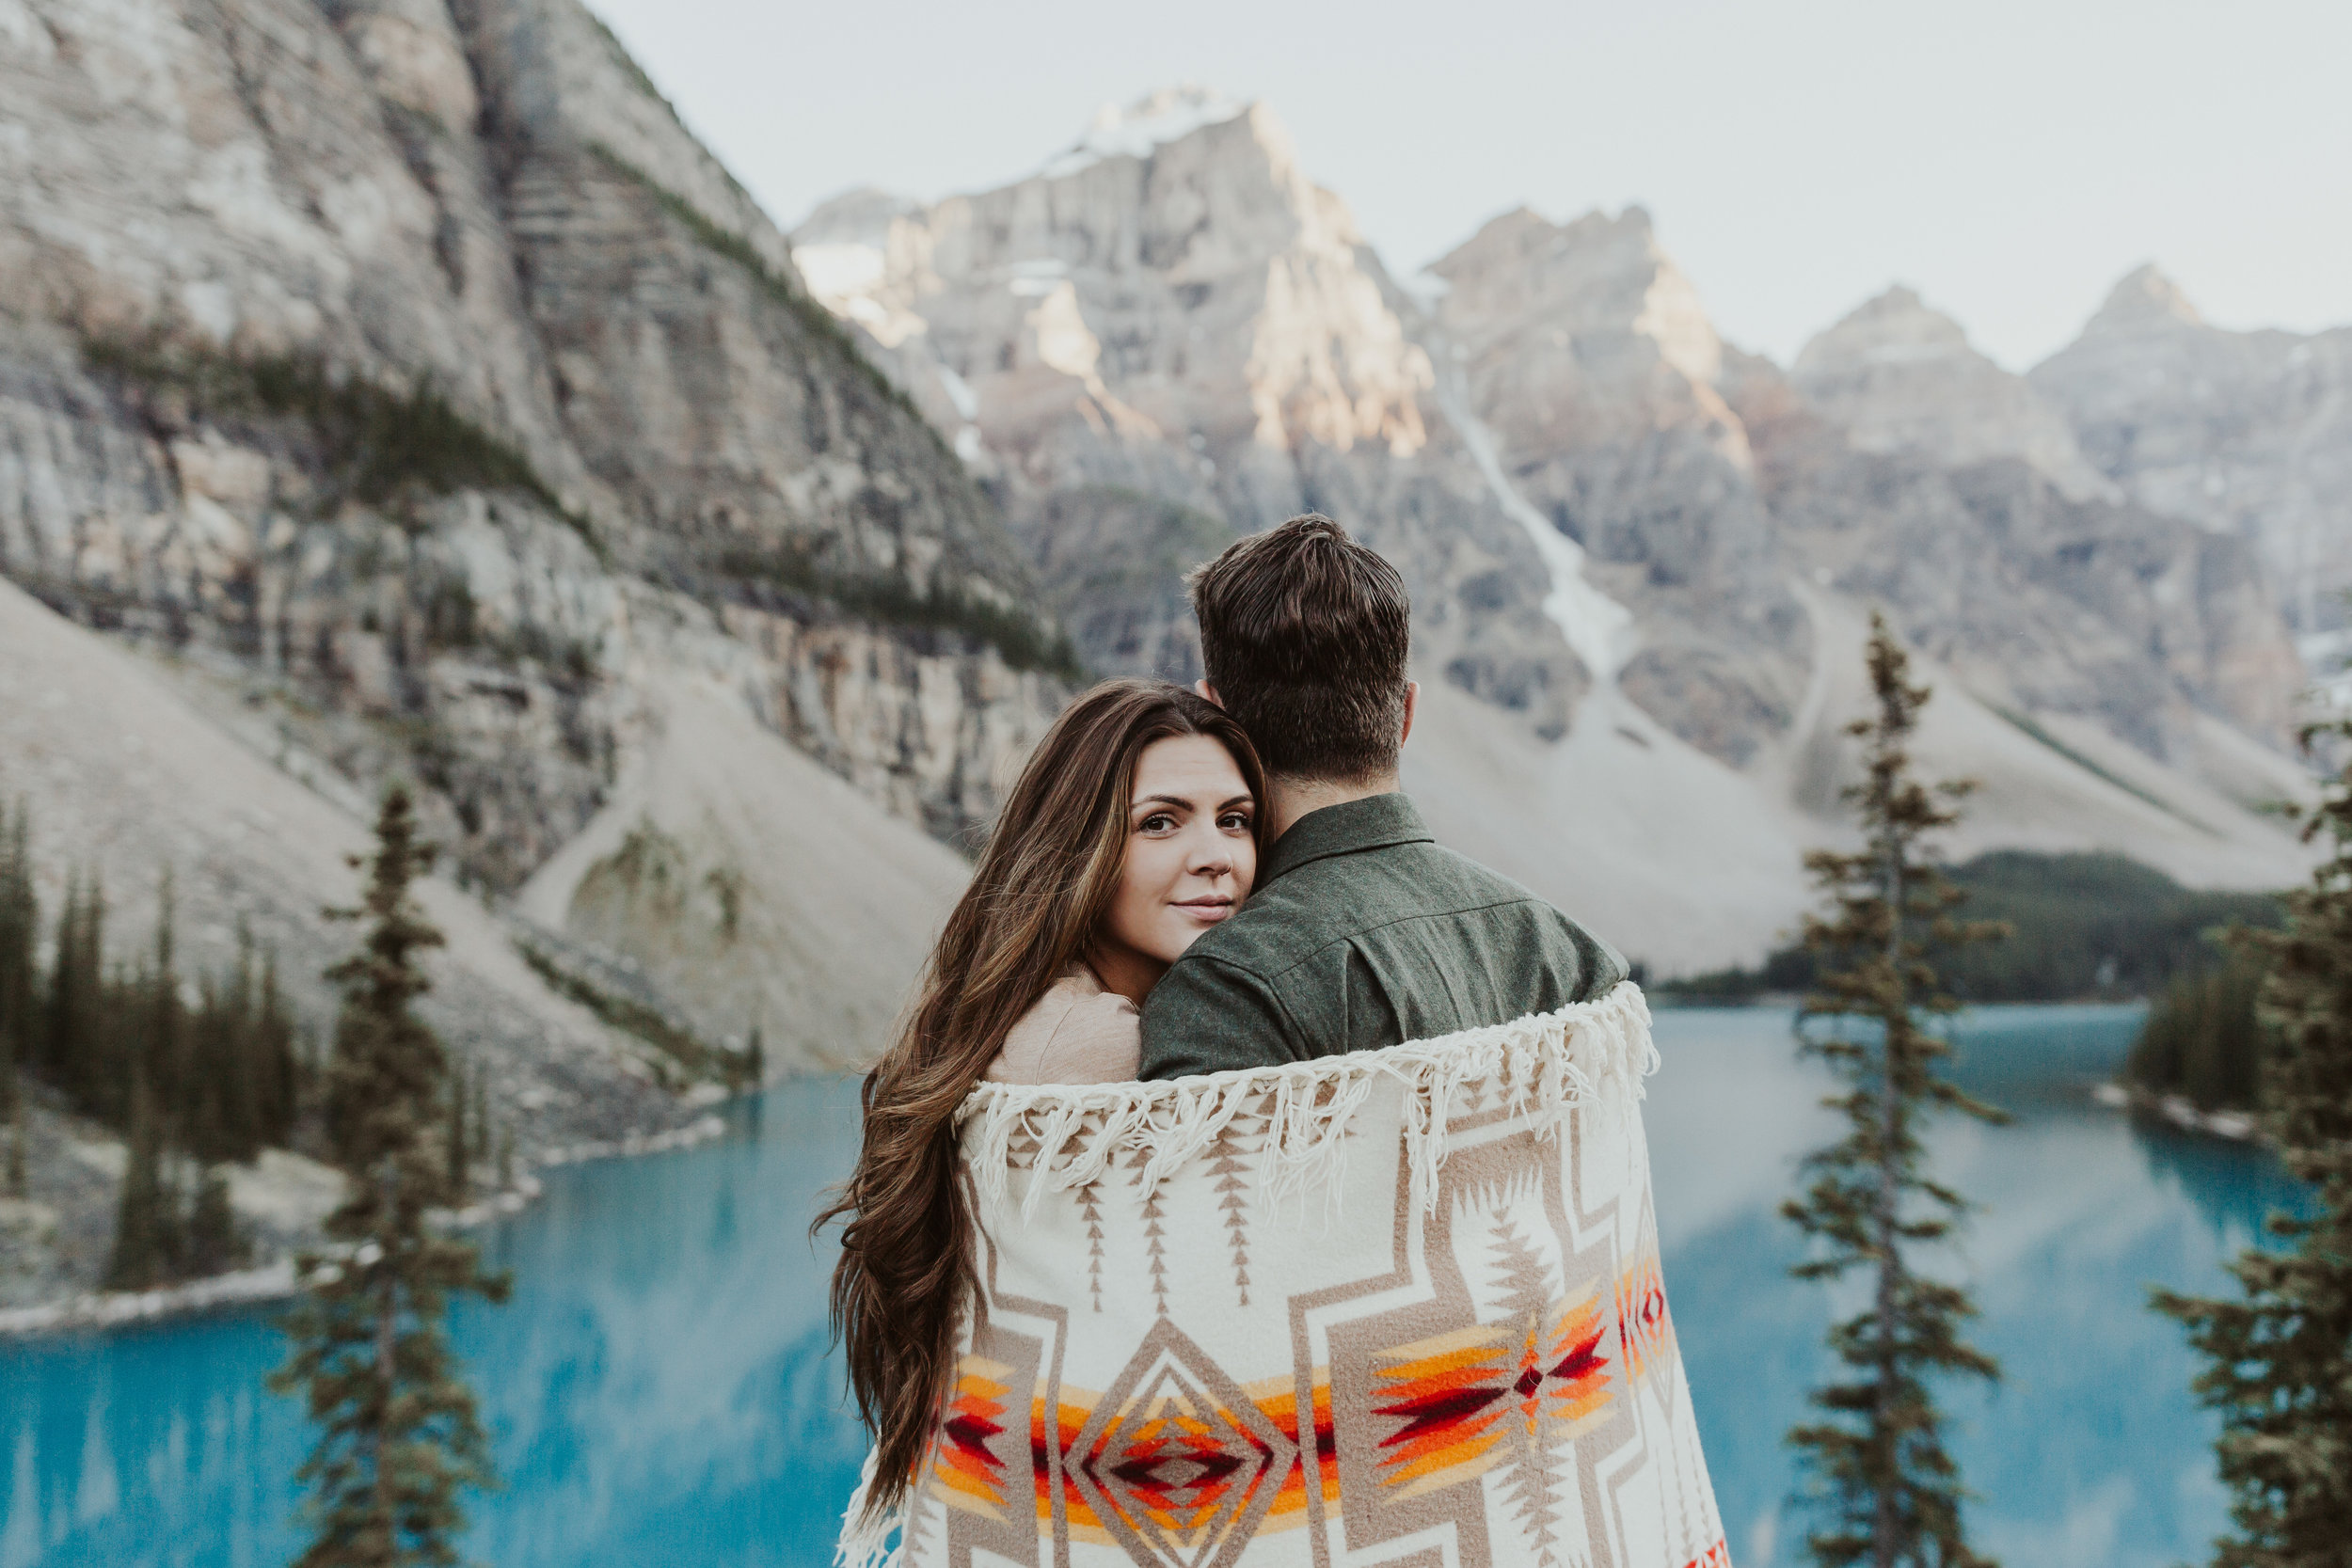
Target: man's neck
{"type": "Point", "coordinates": [1295, 798]}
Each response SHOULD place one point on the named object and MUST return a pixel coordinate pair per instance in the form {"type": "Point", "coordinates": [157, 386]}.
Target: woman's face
{"type": "Point", "coordinates": [1190, 859]}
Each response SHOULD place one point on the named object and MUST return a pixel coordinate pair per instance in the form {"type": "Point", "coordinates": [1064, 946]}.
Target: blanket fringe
{"type": "Point", "coordinates": [866, 1543]}
{"type": "Point", "coordinates": [1546, 1062]}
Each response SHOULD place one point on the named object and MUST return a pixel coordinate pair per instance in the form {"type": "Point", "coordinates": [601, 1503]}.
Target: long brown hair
{"type": "Point", "coordinates": [1044, 881]}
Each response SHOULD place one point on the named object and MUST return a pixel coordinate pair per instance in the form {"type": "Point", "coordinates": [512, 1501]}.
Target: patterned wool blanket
{"type": "Point", "coordinates": [1398, 1306]}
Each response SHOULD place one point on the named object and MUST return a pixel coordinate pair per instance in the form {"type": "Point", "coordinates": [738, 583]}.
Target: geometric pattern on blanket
{"type": "Point", "coordinates": [1401, 1306]}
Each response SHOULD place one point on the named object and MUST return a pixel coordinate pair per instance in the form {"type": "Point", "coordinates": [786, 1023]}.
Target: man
{"type": "Point", "coordinates": [1362, 931]}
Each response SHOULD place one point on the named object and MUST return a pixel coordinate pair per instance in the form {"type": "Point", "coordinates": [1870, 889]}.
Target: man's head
{"type": "Point", "coordinates": [1305, 633]}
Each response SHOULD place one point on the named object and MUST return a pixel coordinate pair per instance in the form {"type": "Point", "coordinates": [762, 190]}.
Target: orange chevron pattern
{"type": "Point", "coordinates": [1450, 1395]}
{"type": "Point", "coordinates": [1279, 1400]}
{"type": "Point", "coordinates": [1571, 1379]}
{"type": "Point", "coordinates": [1446, 1397]}
{"type": "Point", "coordinates": [1275, 1398]}
{"type": "Point", "coordinates": [1644, 1326]}
{"type": "Point", "coordinates": [1181, 1465]}
{"type": "Point", "coordinates": [1453, 1401]}
{"type": "Point", "coordinates": [970, 1477]}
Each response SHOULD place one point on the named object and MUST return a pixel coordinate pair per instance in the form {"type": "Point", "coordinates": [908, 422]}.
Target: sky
{"type": "Point", "coordinates": [2010, 159]}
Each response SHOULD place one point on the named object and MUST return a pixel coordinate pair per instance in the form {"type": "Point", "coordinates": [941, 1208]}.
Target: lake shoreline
{"type": "Point", "coordinates": [99, 1311]}
{"type": "Point", "coordinates": [2236, 1126]}
{"type": "Point", "coordinates": [663, 1386]}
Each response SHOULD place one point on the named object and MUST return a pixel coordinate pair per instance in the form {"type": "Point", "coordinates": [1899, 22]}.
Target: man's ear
{"type": "Point", "coordinates": [1203, 689]}
{"type": "Point", "coordinates": [1412, 701]}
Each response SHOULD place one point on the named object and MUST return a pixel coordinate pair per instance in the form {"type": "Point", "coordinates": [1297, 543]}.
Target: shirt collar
{"type": "Point", "coordinates": [1374, 822]}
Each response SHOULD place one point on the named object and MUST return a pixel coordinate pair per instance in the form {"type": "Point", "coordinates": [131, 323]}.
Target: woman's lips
{"type": "Point", "coordinates": [1207, 910]}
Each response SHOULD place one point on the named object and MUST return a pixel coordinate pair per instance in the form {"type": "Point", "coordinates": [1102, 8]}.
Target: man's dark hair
{"type": "Point", "coordinates": [1304, 633]}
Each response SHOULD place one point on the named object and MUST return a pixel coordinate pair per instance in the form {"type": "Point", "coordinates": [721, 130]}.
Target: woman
{"type": "Point", "coordinates": [1135, 828]}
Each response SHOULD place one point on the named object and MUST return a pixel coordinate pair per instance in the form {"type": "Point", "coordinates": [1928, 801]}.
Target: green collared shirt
{"type": "Point", "coordinates": [1363, 932]}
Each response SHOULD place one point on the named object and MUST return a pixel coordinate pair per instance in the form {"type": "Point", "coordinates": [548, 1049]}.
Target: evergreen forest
{"type": "Point", "coordinates": [2202, 1040]}
{"type": "Point", "coordinates": [2088, 925]}
{"type": "Point", "coordinates": [2278, 1350]}
{"type": "Point", "coordinates": [193, 1073]}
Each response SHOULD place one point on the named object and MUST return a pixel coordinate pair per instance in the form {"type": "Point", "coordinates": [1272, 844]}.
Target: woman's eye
{"type": "Point", "coordinates": [1233, 822]}
{"type": "Point", "coordinates": [1158, 823]}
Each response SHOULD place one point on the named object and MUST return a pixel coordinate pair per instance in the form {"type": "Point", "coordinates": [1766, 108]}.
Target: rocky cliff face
{"type": "Point", "coordinates": [1899, 377]}
{"type": "Point", "coordinates": [1583, 350]}
{"type": "Point", "coordinates": [2247, 435]}
{"type": "Point", "coordinates": [2043, 602]}
{"type": "Point", "coordinates": [1894, 464]}
{"type": "Point", "coordinates": [1170, 336]}
{"type": "Point", "coordinates": [408, 377]}
{"type": "Point", "coordinates": [1907, 471]}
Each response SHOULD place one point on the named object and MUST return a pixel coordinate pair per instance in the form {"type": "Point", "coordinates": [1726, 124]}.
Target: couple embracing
{"type": "Point", "coordinates": [1209, 945]}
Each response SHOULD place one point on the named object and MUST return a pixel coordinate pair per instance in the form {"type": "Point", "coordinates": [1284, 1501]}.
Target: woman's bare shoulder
{"type": "Point", "coordinates": [1077, 1033]}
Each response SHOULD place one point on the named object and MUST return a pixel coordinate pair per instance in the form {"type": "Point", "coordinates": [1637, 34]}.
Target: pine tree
{"type": "Point", "coordinates": [2279, 1359]}
{"type": "Point", "coordinates": [159, 1024]}
{"type": "Point", "coordinates": [1878, 1465]}
{"type": "Point", "coordinates": [401, 1437]}
{"type": "Point", "coordinates": [481, 1112]}
{"type": "Point", "coordinates": [148, 1249]}
{"type": "Point", "coordinates": [243, 1089]}
{"type": "Point", "coordinates": [228, 1057]}
{"type": "Point", "coordinates": [460, 1149]}
{"type": "Point", "coordinates": [219, 1123]}
{"type": "Point", "coordinates": [19, 931]}
{"type": "Point", "coordinates": [277, 1066]}
{"type": "Point", "coordinates": [2202, 1038]}
{"type": "Point", "coordinates": [214, 1245]}
{"type": "Point", "coordinates": [76, 1047]}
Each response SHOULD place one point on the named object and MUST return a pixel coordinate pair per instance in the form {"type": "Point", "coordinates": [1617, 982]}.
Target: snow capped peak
{"type": "Point", "coordinates": [1159, 117]}
{"type": "Point", "coordinates": [2145, 298]}
{"type": "Point", "coordinates": [1168, 114]}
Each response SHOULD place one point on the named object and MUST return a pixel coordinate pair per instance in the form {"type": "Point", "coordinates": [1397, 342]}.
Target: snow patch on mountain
{"type": "Point", "coordinates": [1598, 628]}
{"type": "Point", "coordinates": [1168, 114]}
{"type": "Point", "coordinates": [843, 252]}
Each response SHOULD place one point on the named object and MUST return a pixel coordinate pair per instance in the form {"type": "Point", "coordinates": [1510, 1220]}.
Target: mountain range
{"type": "Point", "coordinates": [397, 389]}
{"type": "Point", "coordinates": [1641, 559]}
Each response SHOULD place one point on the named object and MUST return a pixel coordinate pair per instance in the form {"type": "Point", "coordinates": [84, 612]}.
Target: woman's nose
{"type": "Point", "coordinates": [1212, 858]}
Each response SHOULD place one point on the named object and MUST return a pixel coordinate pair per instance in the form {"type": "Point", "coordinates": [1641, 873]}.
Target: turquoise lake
{"type": "Point", "coordinates": [660, 1391]}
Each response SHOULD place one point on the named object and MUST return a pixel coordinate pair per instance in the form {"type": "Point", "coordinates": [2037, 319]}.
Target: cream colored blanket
{"type": "Point", "coordinates": [1400, 1307]}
